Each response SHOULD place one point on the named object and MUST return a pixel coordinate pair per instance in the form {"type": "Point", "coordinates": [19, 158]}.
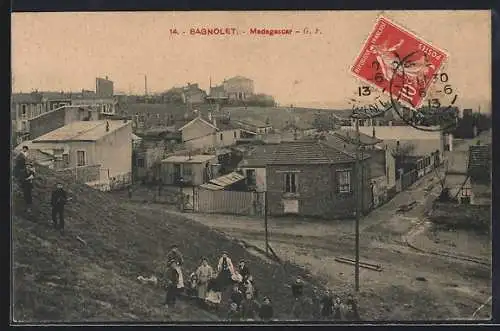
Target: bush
{"type": "Point", "coordinates": [461, 217]}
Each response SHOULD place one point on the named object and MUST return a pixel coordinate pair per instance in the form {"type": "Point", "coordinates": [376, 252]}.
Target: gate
{"type": "Point", "coordinates": [228, 202]}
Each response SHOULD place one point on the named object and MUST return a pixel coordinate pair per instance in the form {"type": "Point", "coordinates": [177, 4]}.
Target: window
{"type": "Point", "coordinates": [65, 159]}
{"type": "Point", "coordinates": [290, 183]}
{"type": "Point", "coordinates": [24, 111]}
{"type": "Point", "coordinates": [80, 158]}
{"type": "Point", "coordinates": [140, 163]}
{"type": "Point", "coordinates": [251, 178]}
{"type": "Point", "coordinates": [344, 181]}
{"type": "Point", "coordinates": [234, 133]}
{"type": "Point", "coordinates": [221, 136]}
{"type": "Point", "coordinates": [186, 170]}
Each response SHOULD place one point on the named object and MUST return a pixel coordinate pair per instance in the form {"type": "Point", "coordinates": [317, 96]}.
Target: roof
{"type": "Point", "coordinates": [258, 155]}
{"type": "Point", "coordinates": [200, 158]}
{"type": "Point", "coordinates": [238, 77]}
{"type": "Point", "coordinates": [211, 187]}
{"type": "Point", "coordinates": [228, 179]}
{"type": "Point", "coordinates": [197, 119]}
{"type": "Point", "coordinates": [309, 152]}
{"type": "Point", "coordinates": [349, 136]}
{"type": "Point", "coordinates": [400, 133]}
{"type": "Point", "coordinates": [26, 97]}
{"type": "Point", "coordinates": [82, 131]}
{"type": "Point", "coordinates": [253, 122]}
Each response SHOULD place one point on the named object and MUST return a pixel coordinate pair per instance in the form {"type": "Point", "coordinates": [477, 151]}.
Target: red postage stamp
{"type": "Point", "coordinates": [398, 62]}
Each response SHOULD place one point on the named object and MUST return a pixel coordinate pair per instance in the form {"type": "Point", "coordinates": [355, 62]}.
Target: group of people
{"type": "Point", "coordinates": [209, 286]}
{"type": "Point", "coordinates": [318, 306]}
{"type": "Point", "coordinates": [236, 284]}
{"type": "Point", "coordinates": [24, 173]}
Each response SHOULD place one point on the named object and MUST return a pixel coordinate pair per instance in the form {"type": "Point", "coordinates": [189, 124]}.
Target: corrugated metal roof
{"type": "Point", "coordinates": [200, 158]}
{"type": "Point", "coordinates": [211, 187]}
{"type": "Point", "coordinates": [82, 131]}
{"type": "Point", "coordinates": [228, 179]}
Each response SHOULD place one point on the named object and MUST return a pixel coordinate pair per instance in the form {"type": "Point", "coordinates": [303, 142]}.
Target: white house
{"type": "Point", "coordinates": [100, 151]}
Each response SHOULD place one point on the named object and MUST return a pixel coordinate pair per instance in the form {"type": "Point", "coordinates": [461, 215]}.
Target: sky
{"type": "Point", "coordinates": [66, 51]}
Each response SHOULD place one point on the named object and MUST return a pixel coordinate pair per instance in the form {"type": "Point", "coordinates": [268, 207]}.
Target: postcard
{"type": "Point", "coordinates": [251, 166]}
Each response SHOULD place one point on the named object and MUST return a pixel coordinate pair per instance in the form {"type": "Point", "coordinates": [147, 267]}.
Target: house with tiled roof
{"type": "Point", "coordinates": [314, 179]}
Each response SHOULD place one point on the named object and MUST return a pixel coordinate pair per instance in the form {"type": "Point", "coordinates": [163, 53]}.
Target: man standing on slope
{"type": "Point", "coordinates": [27, 184]}
{"type": "Point", "coordinates": [59, 199]}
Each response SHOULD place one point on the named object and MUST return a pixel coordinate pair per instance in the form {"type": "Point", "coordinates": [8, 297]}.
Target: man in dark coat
{"type": "Point", "coordinates": [237, 295]}
{"type": "Point", "coordinates": [59, 199]}
{"type": "Point", "coordinates": [172, 282]}
{"type": "Point", "coordinates": [175, 255]}
{"type": "Point", "coordinates": [20, 165]}
{"type": "Point", "coordinates": [243, 270]}
{"type": "Point", "coordinates": [27, 185]}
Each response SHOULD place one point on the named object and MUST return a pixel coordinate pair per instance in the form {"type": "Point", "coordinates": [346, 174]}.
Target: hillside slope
{"type": "Point", "coordinates": [59, 278]}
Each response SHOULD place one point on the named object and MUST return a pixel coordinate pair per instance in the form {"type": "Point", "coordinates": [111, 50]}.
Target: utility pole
{"type": "Point", "coordinates": [358, 196]}
{"type": "Point", "coordinates": [265, 222]}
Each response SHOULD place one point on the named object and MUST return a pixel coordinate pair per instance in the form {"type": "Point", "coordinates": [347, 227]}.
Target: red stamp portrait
{"type": "Point", "coordinates": [399, 63]}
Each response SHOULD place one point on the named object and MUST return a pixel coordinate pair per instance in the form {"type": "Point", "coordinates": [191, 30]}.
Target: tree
{"type": "Point", "coordinates": [323, 123]}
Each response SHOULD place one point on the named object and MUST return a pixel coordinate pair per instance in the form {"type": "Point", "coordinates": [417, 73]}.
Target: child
{"type": "Point", "coordinates": [352, 308]}
{"type": "Point", "coordinates": [205, 273]}
{"type": "Point", "coordinates": [266, 310]}
{"type": "Point", "coordinates": [236, 295]}
{"type": "Point", "coordinates": [234, 313]}
{"type": "Point", "coordinates": [326, 305]}
{"type": "Point", "coordinates": [192, 288]}
{"type": "Point", "coordinates": [338, 309]}
{"type": "Point", "coordinates": [249, 307]}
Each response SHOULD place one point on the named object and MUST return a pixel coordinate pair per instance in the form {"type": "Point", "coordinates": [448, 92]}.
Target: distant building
{"type": "Point", "coordinates": [193, 169]}
{"type": "Point", "coordinates": [104, 105]}
{"type": "Point", "coordinates": [99, 151]}
{"type": "Point", "coordinates": [191, 93]}
{"type": "Point", "coordinates": [104, 87]}
{"type": "Point", "coordinates": [26, 106]}
{"type": "Point", "coordinates": [58, 118]}
{"type": "Point", "coordinates": [253, 125]}
{"type": "Point", "coordinates": [238, 88]}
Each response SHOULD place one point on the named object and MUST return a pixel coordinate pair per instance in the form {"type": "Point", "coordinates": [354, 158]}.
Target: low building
{"type": "Point", "coordinates": [194, 170]}
{"type": "Point", "coordinates": [311, 178]}
{"type": "Point", "coordinates": [104, 105]}
{"type": "Point", "coordinates": [26, 106]}
{"type": "Point", "coordinates": [253, 165]}
{"type": "Point", "coordinates": [102, 147]}
{"type": "Point", "coordinates": [201, 134]}
{"type": "Point", "coordinates": [414, 150]}
{"type": "Point", "coordinates": [57, 118]}
{"type": "Point", "coordinates": [255, 126]}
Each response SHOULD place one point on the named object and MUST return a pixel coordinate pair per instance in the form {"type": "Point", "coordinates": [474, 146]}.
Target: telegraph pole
{"type": "Point", "coordinates": [265, 222]}
{"type": "Point", "coordinates": [358, 196]}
